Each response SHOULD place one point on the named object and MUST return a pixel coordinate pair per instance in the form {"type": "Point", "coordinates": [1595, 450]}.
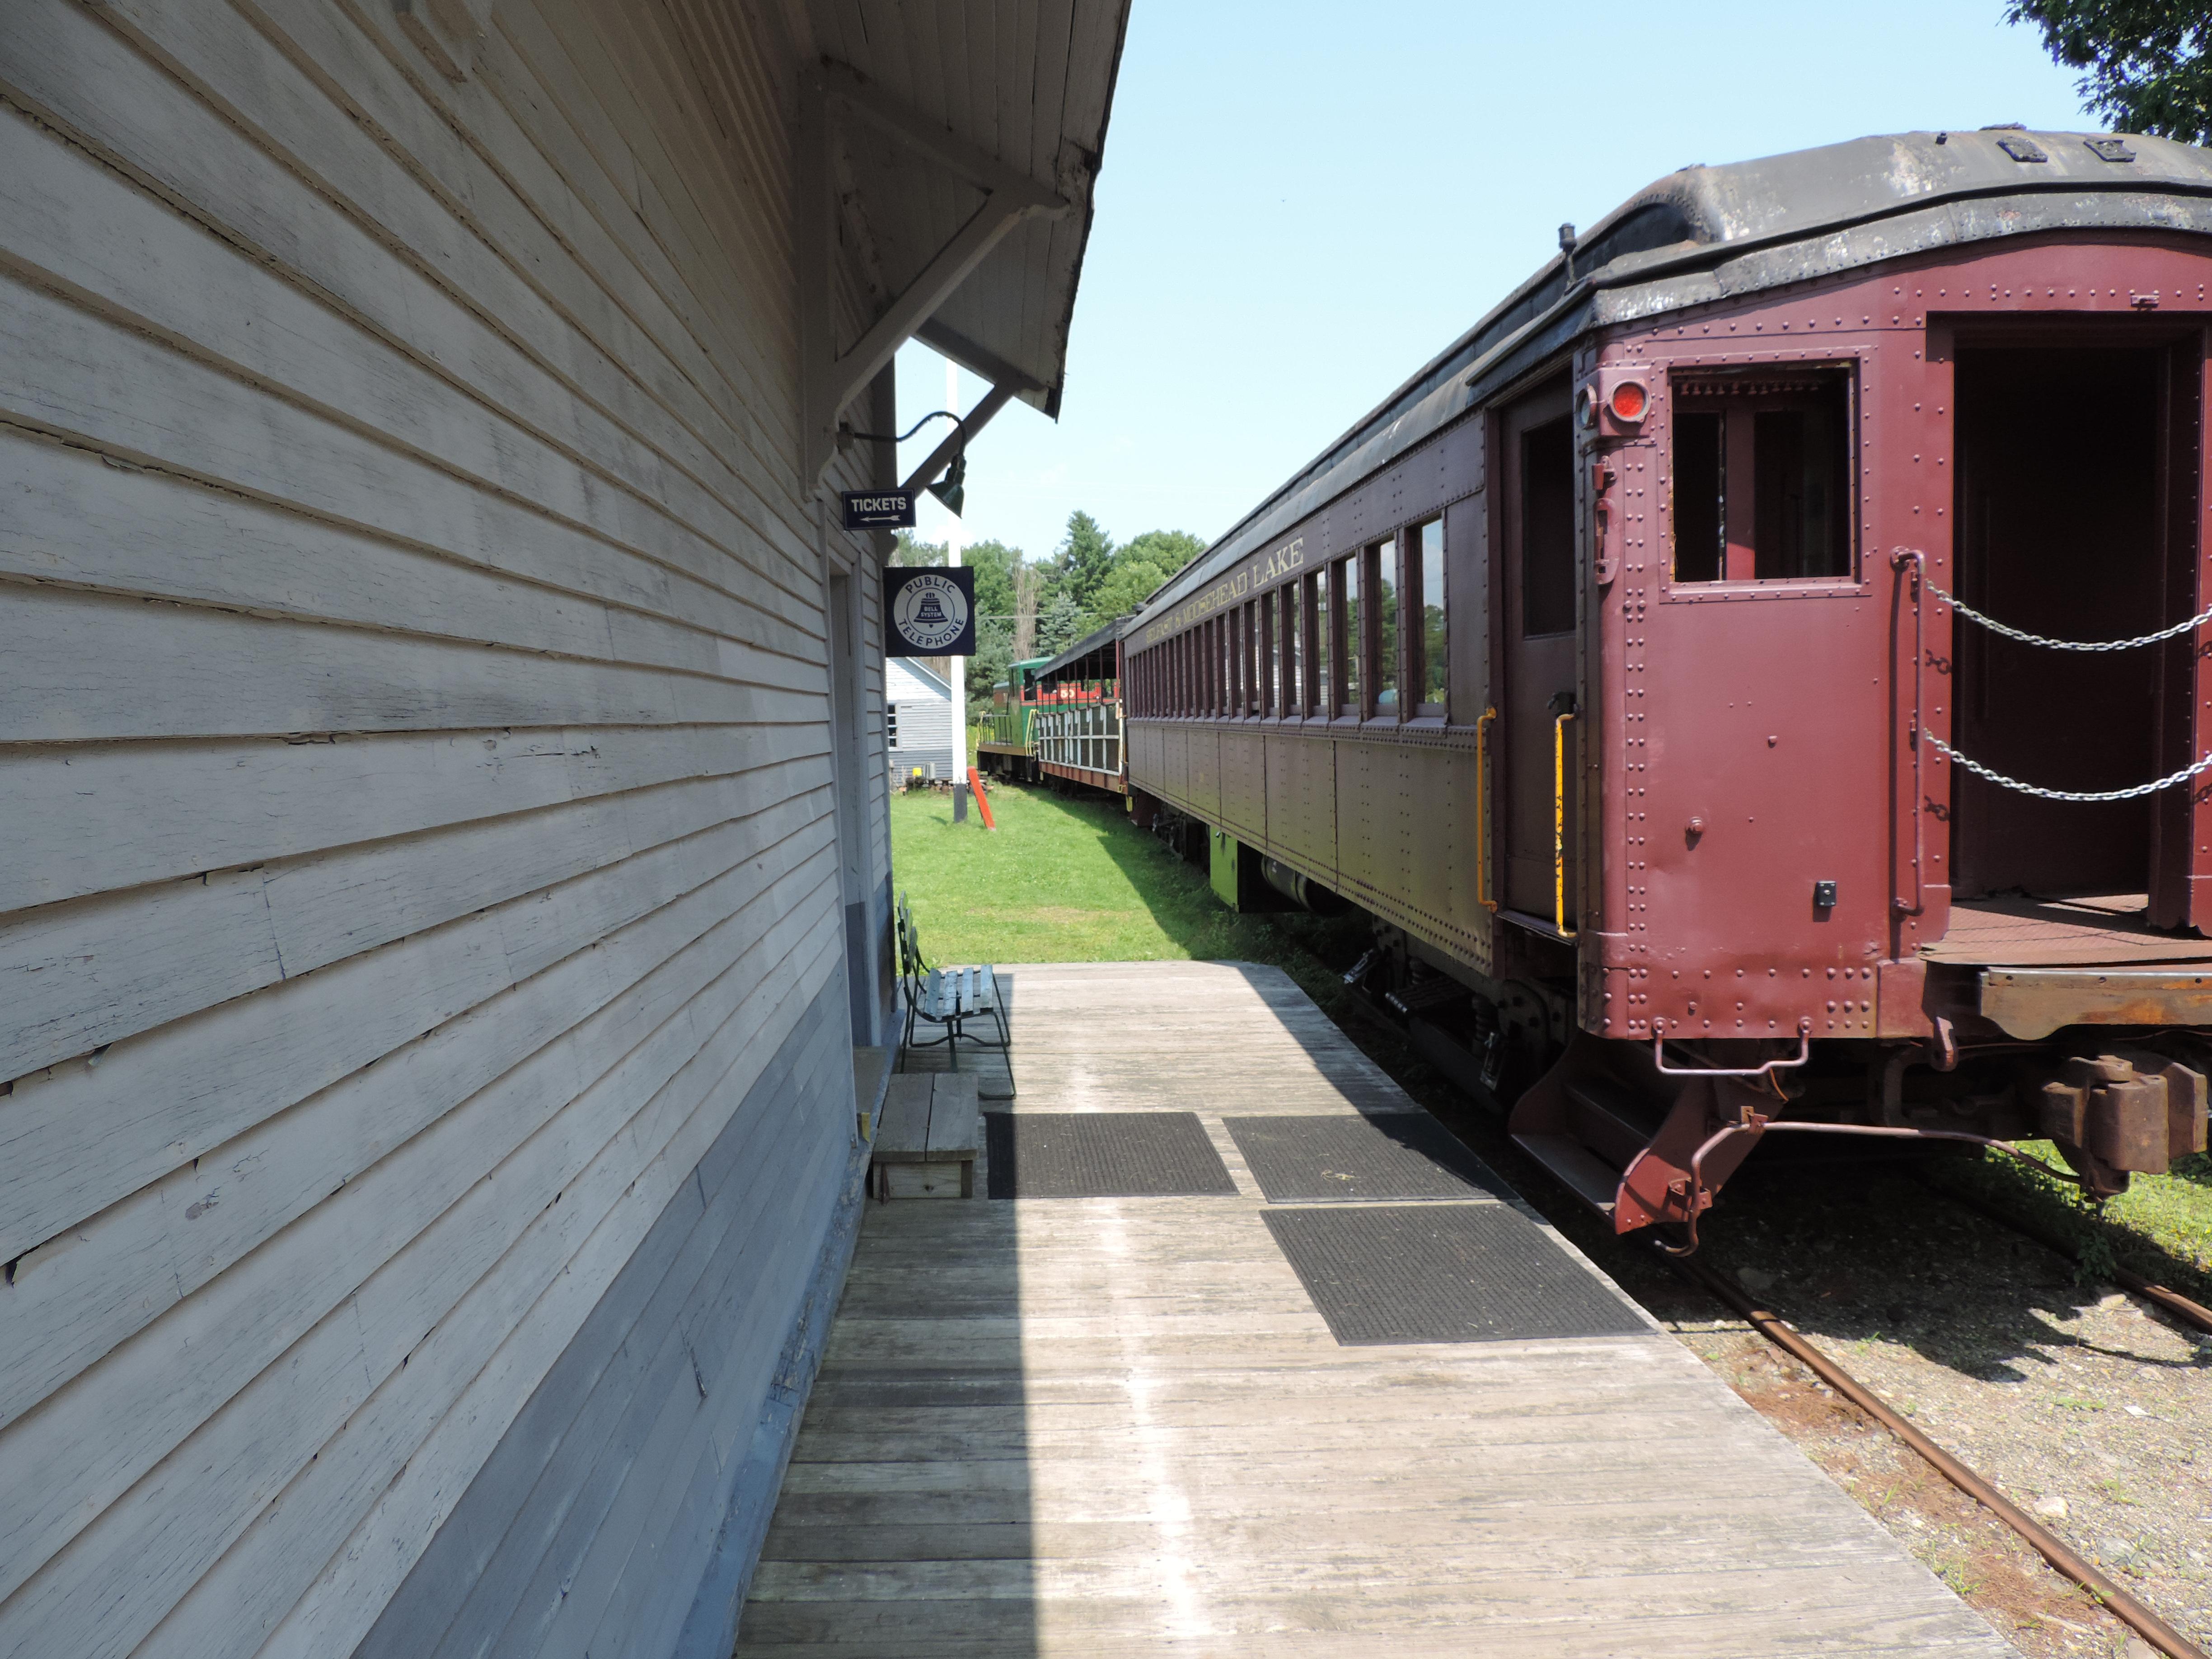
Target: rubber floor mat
{"type": "Point", "coordinates": [1340, 1159]}
{"type": "Point", "coordinates": [1443, 1273]}
{"type": "Point", "coordinates": [1102, 1155]}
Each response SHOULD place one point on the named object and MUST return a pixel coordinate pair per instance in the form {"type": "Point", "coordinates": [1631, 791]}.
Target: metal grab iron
{"type": "Point", "coordinates": [1559, 719]}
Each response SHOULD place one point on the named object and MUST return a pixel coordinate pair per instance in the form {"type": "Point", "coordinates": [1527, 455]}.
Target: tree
{"type": "Point", "coordinates": [1170, 550]}
{"type": "Point", "coordinates": [2150, 61]}
{"type": "Point", "coordinates": [995, 564]}
{"type": "Point", "coordinates": [907, 551]}
{"type": "Point", "coordinates": [1060, 622]}
{"type": "Point", "coordinates": [1085, 556]}
{"type": "Point", "coordinates": [1130, 583]}
{"type": "Point", "coordinates": [994, 652]}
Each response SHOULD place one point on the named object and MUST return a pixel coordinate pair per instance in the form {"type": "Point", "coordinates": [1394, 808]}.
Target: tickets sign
{"type": "Point", "coordinates": [878, 509]}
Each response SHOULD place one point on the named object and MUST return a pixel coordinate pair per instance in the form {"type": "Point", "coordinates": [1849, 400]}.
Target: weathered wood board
{"type": "Point", "coordinates": [429, 1107]}
{"type": "Point", "coordinates": [1118, 1426]}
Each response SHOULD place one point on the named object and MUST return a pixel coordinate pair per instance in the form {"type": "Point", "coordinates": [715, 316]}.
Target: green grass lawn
{"type": "Point", "coordinates": [1069, 878]}
{"type": "Point", "coordinates": [2160, 1227]}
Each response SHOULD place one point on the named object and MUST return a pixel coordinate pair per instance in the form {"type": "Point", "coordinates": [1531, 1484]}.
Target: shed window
{"type": "Point", "coordinates": [1763, 477]}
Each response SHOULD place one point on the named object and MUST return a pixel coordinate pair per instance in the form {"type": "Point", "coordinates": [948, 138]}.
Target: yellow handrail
{"type": "Point", "coordinates": [1559, 823]}
{"type": "Point", "coordinates": [1481, 811]}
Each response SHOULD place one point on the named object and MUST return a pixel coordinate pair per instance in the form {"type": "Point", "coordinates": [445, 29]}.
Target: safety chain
{"type": "Point", "coordinates": [1999, 778]}
{"type": "Point", "coordinates": [1996, 627]}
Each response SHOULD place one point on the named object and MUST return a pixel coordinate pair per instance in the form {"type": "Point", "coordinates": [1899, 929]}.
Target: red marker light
{"type": "Point", "coordinates": [1629, 402]}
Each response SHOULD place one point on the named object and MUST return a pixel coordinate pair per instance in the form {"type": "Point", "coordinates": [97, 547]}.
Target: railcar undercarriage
{"type": "Point", "coordinates": [1647, 1133]}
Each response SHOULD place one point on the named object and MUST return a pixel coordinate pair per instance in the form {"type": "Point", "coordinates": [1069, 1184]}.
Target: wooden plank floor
{"type": "Point", "coordinates": [1118, 1426]}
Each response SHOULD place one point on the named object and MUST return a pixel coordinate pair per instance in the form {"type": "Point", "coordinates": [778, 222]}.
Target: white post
{"type": "Point", "coordinates": [958, 676]}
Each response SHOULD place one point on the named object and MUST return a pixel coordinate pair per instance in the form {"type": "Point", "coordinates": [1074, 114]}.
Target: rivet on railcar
{"type": "Point", "coordinates": [1759, 680]}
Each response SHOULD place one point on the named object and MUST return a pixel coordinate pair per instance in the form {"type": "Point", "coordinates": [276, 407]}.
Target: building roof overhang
{"type": "Point", "coordinates": [949, 153]}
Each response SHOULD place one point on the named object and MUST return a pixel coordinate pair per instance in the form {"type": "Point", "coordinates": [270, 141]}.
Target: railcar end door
{"type": "Point", "coordinates": [1536, 461]}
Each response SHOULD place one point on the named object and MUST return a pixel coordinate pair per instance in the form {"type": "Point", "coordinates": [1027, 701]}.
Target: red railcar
{"type": "Point", "coordinates": [1684, 668]}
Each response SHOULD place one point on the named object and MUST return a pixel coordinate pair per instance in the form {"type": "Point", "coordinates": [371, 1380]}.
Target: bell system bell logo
{"type": "Point", "coordinates": [932, 612]}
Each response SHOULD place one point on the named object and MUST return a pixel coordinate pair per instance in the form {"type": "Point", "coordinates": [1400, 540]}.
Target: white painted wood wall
{"type": "Point", "coordinates": [920, 722]}
{"type": "Point", "coordinates": [414, 769]}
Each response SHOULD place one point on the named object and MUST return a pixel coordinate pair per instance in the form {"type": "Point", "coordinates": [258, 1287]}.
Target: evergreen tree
{"type": "Point", "coordinates": [1085, 556]}
{"type": "Point", "coordinates": [1060, 622]}
{"type": "Point", "coordinates": [2150, 61]}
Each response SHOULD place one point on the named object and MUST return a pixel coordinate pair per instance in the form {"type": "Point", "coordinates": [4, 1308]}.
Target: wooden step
{"type": "Point", "coordinates": [1578, 1169]}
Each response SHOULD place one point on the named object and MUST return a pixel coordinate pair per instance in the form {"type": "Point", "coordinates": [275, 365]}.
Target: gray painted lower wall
{"type": "Point", "coordinates": [871, 974]}
{"type": "Point", "coordinates": [621, 1512]}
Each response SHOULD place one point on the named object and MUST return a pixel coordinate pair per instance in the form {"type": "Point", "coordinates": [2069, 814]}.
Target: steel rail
{"type": "Point", "coordinates": [2046, 1543]}
{"type": "Point", "coordinates": [2188, 1312]}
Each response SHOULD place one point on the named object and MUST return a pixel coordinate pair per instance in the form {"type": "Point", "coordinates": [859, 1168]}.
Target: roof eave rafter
{"type": "Point", "coordinates": [829, 379]}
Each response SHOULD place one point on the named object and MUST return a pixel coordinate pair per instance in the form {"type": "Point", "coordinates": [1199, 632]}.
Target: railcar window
{"type": "Point", "coordinates": [1383, 583]}
{"type": "Point", "coordinates": [1763, 477]}
{"type": "Point", "coordinates": [1425, 565]}
{"type": "Point", "coordinates": [1700, 489]}
{"type": "Point", "coordinates": [1286, 607]}
{"type": "Point", "coordinates": [1232, 679]}
{"type": "Point", "coordinates": [1243, 704]}
{"type": "Point", "coordinates": [1323, 636]}
{"type": "Point", "coordinates": [1233, 625]}
{"type": "Point", "coordinates": [1270, 682]}
{"type": "Point", "coordinates": [1256, 657]}
{"type": "Point", "coordinates": [1547, 529]}
{"type": "Point", "coordinates": [1349, 646]}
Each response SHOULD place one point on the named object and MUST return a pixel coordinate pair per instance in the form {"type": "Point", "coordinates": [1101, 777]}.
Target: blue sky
{"type": "Point", "coordinates": [1302, 203]}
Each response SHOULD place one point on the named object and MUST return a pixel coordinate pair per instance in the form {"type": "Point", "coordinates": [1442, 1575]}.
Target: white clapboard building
{"type": "Point", "coordinates": [918, 724]}
{"type": "Point", "coordinates": [443, 920]}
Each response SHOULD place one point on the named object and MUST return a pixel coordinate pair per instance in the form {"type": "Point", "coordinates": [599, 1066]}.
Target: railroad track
{"type": "Point", "coordinates": [2172, 1301]}
{"type": "Point", "coordinates": [2046, 1543]}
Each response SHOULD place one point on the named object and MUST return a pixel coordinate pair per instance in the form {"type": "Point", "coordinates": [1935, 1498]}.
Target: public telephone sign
{"type": "Point", "coordinates": [929, 611]}
{"type": "Point", "coordinates": [878, 509]}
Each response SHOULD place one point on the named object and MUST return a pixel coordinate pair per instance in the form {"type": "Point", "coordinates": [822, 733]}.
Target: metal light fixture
{"type": "Point", "coordinates": [952, 487]}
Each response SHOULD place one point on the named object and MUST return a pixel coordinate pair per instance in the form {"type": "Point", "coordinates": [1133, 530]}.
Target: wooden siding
{"type": "Point", "coordinates": [415, 755]}
{"type": "Point", "coordinates": [633, 1440]}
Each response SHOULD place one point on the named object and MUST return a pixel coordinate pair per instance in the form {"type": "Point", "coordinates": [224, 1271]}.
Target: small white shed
{"type": "Point", "coordinates": [919, 728]}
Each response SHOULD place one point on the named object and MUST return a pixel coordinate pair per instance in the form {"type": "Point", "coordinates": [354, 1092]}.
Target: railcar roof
{"type": "Point", "coordinates": [1711, 232]}
{"type": "Point", "coordinates": [1084, 647]}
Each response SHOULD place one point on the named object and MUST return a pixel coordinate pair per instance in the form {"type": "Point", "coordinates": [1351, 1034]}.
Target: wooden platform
{"type": "Point", "coordinates": [1118, 1427]}
{"type": "Point", "coordinates": [2074, 933]}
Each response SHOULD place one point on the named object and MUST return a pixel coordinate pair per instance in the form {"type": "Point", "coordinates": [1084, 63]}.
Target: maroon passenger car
{"type": "Point", "coordinates": [1613, 665]}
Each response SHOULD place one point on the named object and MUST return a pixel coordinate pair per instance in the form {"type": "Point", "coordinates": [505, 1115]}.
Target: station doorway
{"type": "Point", "coordinates": [2075, 520]}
